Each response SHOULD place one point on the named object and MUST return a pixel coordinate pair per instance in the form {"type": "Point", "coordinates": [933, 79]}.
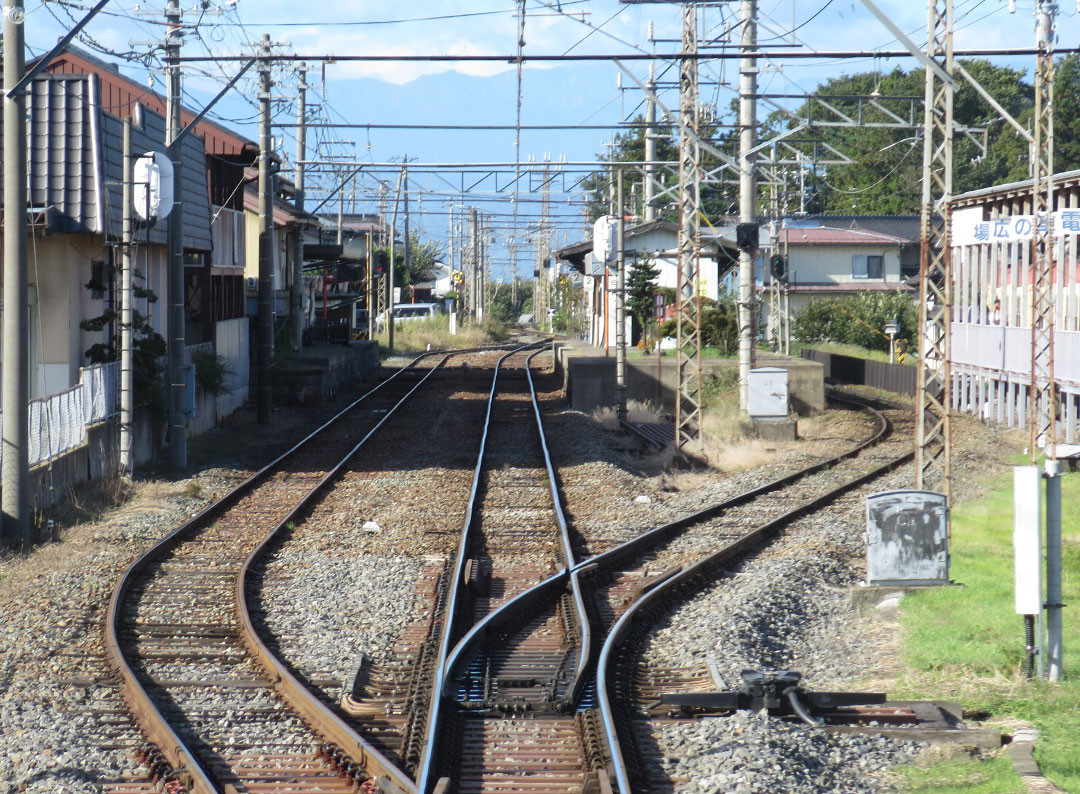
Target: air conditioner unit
{"type": "Point", "coordinates": [252, 284]}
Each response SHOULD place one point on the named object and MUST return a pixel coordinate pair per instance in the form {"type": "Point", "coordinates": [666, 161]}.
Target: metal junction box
{"type": "Point", "coordinates": [907, 538]}
{"type": "Point", "coordinates": [768, 393]}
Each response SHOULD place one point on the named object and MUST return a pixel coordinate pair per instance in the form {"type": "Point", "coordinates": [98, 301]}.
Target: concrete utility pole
{"type": "Point", "coordinates": [265, 322]}
{"type": "Point", "coordinates": [474, 282]}
{"type": "Point", "coordinates": [16, 303]}
{"type": "Point", "coordinates": [620, 305]}
{"type": "Point", "coordinates": [747, 196]}
{"type": "Point", "coordinates": [688, 297]}
{"type": "Point", "coordinates": [650, 146]}
{"type": "Point", "coordinates": [296, 302]}
{"type": "Point", "coordinates": [390, 266]}
{"type": "Point", "coordinates": [127, 298]}
{"type": "Point", "coordinates": [175, 321]}
{"type": "Point", "coordinates": [405, 180]}
{"type": "Point", "coordinates": [933, 431]}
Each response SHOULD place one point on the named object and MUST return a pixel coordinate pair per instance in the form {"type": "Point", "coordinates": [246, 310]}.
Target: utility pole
{"type": "Point", "coordinates": [1043, 395]}
{"type": "Point", "coordinates": [747, 197]}
{"type": "Point", "coordinates": [126, 309]}
{"type": "Point", "coordinates": [296, 307]}
{"type": "Point", "coordinates": [390, 267]}
{"type": "Point", "coordinates": [933, 431]}
{"type": "Point", "coordinates": [620, 305]}
{"type": "Point", "coordinates": [175, 322]}
{"type": "Point", "coordinates": [405, 179]}
{"type": "Point", "coordinates": [688, 297]}
{"type": "Point", "coordinates": [265, 322]}
{"type": "Point", "coordinates": [650, 146]}
{"type": "Point", "coordinates": [476, 296]}
{"type": "Point", "coordinates": [16, 303]}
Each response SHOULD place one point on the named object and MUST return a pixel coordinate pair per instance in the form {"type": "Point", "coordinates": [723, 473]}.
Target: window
{"type": "Point", "coordinates": [863, 266]}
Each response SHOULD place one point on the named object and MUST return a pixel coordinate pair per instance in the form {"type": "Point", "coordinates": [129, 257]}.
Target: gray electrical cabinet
{"type": "Point", "coordinates": [768, 393]}
{"type": "Point", "coordinates": [907, 538]}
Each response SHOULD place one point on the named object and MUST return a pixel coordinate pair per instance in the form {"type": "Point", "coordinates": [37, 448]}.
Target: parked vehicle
{"type": "Point", "coordinates": [408, 312]}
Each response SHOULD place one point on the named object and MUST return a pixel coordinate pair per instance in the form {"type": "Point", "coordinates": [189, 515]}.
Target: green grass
{"type": "Point", "coordinates": [994, 776]}
{"type": "Point", "coordinates": [847, 350]}
{"type": "Point", "coordinates": [415, 336]}
{"type": "Point", "coordinates": [967, 644]}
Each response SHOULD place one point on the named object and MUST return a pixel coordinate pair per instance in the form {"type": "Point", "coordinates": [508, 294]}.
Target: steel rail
{"type": "Point", "coordinates": [324, 721]}
{"type": "Point", "coordinates": [151, 721]}
{"type": "Point", "coordinates": [449, 658]}
{"type": "Point", "coordinates": [609, 559]}
{"type": "Point", "coordinates": [666, 590]}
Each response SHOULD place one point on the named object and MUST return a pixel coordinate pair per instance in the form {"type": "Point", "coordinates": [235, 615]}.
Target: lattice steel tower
{"type": "Point", "coordinates": [933, 444]}
{"type": "Point", "coordinates": [688, 404]}
{"type": "Point", "coordinates": [1043, 396]}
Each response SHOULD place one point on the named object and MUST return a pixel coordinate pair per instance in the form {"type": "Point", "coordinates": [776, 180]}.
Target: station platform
{"type": "Point", "coordinates": [313, 375]}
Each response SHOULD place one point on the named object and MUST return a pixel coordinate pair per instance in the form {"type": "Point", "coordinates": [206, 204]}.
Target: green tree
{"type": "Point", "coordinates": [885, 176]}
{"type": "Point", "coordinates": [501, 307]}
{"type": "Point", "coordinates": [423, 256]}
{"type": "Point", "coordinates": [148, 346]}
{"type": "Point", "coordinates": [640, 290]}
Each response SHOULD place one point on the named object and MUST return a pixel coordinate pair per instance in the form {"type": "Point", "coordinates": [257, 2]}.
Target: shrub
{"type": "Point", "coordinates": [211, 372]}
{"type": "Point", "coordinates": [857, 319]}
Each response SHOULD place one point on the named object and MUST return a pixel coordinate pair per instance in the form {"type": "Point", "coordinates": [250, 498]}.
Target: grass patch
{"type": "Point", "coordinates": [967, 644]}
{"type": "Point", "coordinates": [992, 776]}
{"type": "Point", "coordinates": [416, 336]}
{"type": "Point", "coordinates": [848, 350]}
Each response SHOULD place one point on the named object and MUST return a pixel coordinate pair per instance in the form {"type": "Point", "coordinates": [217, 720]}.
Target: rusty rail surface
{"type": "Point", "coordinates": [556, 739]}
{"type": "Point", "coordinates": [187, 768]}
{"type": "Point", "coordinates": [681, 585]}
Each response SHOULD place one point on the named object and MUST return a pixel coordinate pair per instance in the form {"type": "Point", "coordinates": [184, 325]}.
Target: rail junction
{"type": "Point", "coordinates": [526, 666]}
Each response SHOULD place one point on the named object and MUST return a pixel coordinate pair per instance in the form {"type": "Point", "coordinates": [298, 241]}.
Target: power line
{"type": "Point", "coordinates": [1003, 52]}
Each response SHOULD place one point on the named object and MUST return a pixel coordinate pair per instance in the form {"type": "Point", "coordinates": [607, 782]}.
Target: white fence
{"type": "Point", "coordinates": [58, 423]}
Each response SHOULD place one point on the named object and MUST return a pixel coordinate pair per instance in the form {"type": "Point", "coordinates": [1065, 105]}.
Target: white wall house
{"type": "Point", "coordinates": [659, 241]}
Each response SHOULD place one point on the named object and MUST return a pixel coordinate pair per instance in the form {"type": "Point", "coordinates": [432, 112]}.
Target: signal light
{"type": "Point", "coordinates": [778, 265]}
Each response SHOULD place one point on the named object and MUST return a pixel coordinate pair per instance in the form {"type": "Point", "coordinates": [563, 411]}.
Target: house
{"type": "Point", "coordinates": [75, 179]}
{"type": "Point", "coordinates": [659, 241]}
{"type": "Point", "coordinates": [836, 256]}
{"type": "Point", "coordinates": [214, 277]}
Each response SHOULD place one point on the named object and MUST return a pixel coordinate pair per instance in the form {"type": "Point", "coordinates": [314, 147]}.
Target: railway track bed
{"type": "Point", "coordinates": [426, 560]}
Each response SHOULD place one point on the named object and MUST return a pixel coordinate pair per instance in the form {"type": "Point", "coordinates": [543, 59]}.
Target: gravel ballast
{"type": "Point", "coordinates": [53, 601]}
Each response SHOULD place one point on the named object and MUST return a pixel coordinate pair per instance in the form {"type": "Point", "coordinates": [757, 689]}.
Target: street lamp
{"type": "Point", "coordinates": [892, 328]}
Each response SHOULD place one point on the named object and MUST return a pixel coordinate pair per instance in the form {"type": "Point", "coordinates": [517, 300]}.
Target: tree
{"type": "Point", "coordinates": [148, 346]}
{"type": "Point", "coordinates": [502, 309]}
{"type": "Point", "coordinates": [885, 177]}
{"type": "Point", "coordinates": [423, 256]}
{"type": "Point", "coordinates": [641, 287]}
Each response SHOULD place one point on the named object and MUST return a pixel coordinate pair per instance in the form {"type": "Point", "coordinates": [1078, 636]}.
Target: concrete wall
{"type": "Point", "coordinates": [589, 378]}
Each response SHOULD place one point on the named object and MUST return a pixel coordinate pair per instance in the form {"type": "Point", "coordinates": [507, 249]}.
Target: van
{"type": "Point", "coordinates": [408, 312]}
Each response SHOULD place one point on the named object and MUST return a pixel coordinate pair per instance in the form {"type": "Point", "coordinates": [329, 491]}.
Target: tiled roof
{"type": "Point", "coordinates": [76, 161]}
{"type": "Point", "coordinates": [825, 236]}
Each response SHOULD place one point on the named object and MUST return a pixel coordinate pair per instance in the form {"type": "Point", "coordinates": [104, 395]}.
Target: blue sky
{"type": "Point", "coordinates": [577, 93]}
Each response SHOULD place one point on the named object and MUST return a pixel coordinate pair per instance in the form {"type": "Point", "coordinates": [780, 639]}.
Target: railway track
{"type": "Point", "coordinates": [221, 712]}
{"type": "Point", "coordinates": [512, 694]}
{"type": "Point", "coordinates": [513, 645]}
{"type": "Point", "coordinates": [540, 733]}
